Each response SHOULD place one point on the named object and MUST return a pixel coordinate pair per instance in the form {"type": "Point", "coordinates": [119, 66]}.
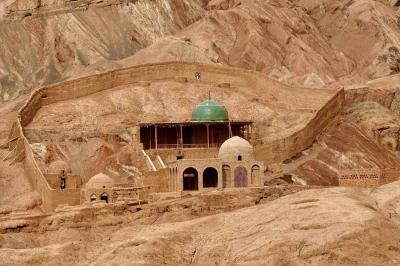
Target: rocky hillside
{"type": "Point", "coordinates": [307, 42]}
{"type": "Point", "coordinates": [51, 44]}
{"type": "Point", "coordinates": [331, 226]}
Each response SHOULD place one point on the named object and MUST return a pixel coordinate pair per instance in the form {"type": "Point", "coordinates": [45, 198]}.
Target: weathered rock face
{"type": "Point", "coordinates": [311, 43]}
{"type": "Point", "coordinates": [379, 122]}
{"type": "Point", "coordinates": [366, 136]}
{"type": "Point", "coordinates": [49, 48]}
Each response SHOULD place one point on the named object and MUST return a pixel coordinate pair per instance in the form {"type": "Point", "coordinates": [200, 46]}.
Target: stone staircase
{"type": "Point", "coordinates": [154, 162]}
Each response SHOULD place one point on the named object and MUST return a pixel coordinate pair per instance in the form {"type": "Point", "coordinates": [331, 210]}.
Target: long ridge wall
{"type": "Point", "coordinates": [51, 198]}
{"type": "Point", "coordinates": [284, 148]}
{"type": "Point", "coordinates": [273, 152]}
{"type": "Point", "coordinates": [151, 72]}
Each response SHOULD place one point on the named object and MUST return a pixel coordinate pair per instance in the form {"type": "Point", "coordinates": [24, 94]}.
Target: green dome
{"type": "Point", "coordinates": [209, 111]}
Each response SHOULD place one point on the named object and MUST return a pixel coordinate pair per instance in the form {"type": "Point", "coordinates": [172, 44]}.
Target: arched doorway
{"type": "Point", "coordinates": [240, 177]}
{"type": "Point", "coordinates": [226, 175]}
{"type": "Point", "coordinates": [210, 177]}
{"type": "Point", "coordinates": [255, 173]}
{"type": "Point", "coordinates": [104, 197]}
{"type": "Point", "coordinates": [190, 179]}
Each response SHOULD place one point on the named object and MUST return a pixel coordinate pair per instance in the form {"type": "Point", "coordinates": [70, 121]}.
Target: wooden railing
{"type": "Point", "coordinates": [187, 146]}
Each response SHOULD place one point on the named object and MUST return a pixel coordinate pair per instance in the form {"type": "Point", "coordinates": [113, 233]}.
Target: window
{"type": "Point", "coordinates": [239, 157]}
{"type": "Point", "coordinates": [93, 198]}
{"type": "Point", "coordinates": [104, 197]}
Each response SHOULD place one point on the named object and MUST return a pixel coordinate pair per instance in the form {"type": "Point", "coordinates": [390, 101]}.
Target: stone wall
{"type": "Point", "coordinates": [72, 181]}
{"type": "Point", "coordinates": [367, 177]}
{"type": "Point", "coordinates": [51, 198]}
{"type": "Point", "coordinates": [157, 180]}
{"type": "Point", "coordinates": [286, 147]}
{"type": "Point", "coordinates": [169, 156]}
{"type": "Point", "coordinates": [21, 8]}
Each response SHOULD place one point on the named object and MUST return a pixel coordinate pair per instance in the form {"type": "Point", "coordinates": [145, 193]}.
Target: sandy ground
{"type": "Point", "coordinates": [330, 226]}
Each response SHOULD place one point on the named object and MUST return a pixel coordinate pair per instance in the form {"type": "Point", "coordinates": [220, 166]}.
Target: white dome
{"type": "Point", "coordinates": [57, 166]}
{"type": "Point", "coordinates": [100, 181]}
{"type": "Point", "coordinates": [236, 148]}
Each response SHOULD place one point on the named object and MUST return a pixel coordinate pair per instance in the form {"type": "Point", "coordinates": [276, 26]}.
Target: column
{"type": "Point", "coordinates": [177, 138]}
{"type": "Point", "coordinates": [171, 176]}
{"type": "Point", "coordinates": [180, 126]}
{"type": "Point", "coordinates": [208, 135]}
{"type": "Point", "coordinates": [151, 136]}
{"type": "Point", "coordinates": [220, 177]}
{"type": "Point", "coordinates": [230, 129]}
{"type": "Point", "coordinates": [200, 179]}
{"type": "Point", "coordinates": [155, 136]}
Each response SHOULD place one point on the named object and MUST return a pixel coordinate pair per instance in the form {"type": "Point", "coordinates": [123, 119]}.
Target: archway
{"type": "Point", "coordinates": [104, 197]}
{"type": "Point", "coordinates": [210, 177]}
{"type": "Point", "coordinates": [190, 179]}
{"type": "Point", "coordinates": [226, 175]}
{"type": "Point", "coordinates": [255, 173]}
{"type": "Point", "coordinates": [240, 177]}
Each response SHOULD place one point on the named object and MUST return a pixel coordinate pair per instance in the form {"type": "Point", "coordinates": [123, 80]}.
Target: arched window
{"type": "Point", "coordinates": [210, 177]}
{"type": "Point", "coordinates": [93, 197]}
{"type": "Point", "coordinates": [104, 197]}
{"type": "Point", "coordinates": [190, 179]}
{"type": "Point", "coordinates": [255, 173]}
{"type": "Point", "coordinates": [226, 175]}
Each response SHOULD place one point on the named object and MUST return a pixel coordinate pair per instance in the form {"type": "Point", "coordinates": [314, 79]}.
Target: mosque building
{"type": "Point", "coordinates": [207, 152]}
{"type": "Point", "coordinates": [209, 127]}
{"type": "Point", "coordinates": [211, 151]}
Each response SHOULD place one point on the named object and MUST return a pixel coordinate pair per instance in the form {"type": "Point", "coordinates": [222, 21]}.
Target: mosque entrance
{"type": "Point", "coordinates": [190, 179]}
{"type": "Point", "coordinates": [210, 177]}
{"type": "Point", "coordinates": [240, 177]}
{"type": "Point", "coordinates": [104, 197]}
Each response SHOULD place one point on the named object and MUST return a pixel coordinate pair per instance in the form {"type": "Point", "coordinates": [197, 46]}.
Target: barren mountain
{"type": "Point", "coordinates": [322, 92]}
{"type": "Point", "coordinates": [309, 43]}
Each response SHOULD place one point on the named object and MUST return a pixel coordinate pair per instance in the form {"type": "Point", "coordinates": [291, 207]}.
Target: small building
{"type": "Point", "coordinates": [209, 127]}
{"type": "Point", "coordinates": [59, 176]}
{"type": "Point", "coordinates": [235, 166]}
{"type": "Point", "coordinates": [98, 188]}
{"type": "Point", "coordinates": [103, 188]}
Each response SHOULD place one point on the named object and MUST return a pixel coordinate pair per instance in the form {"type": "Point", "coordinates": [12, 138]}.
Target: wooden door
{"type": "Point", "coordinates": [240, 177]}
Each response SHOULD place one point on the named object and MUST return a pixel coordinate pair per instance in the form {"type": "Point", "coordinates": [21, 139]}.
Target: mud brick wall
{"type": "Point", "coordinates": [286, 147]}
{"type": "Point", "coordinates": [367, 177]}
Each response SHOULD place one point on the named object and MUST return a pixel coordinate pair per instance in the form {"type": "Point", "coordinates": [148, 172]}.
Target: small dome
{"type": "Point", "coordinates": [236, 148]}
{"type": "Point", "coordinates": [100, 181]}
{"type": "Point", "coordinates": [57, 166]}
{"type": "Point", "coordinates": [209, 111]}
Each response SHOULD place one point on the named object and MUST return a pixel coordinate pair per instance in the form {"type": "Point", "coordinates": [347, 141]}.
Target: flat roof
{"type": "Point", "coordinates": [193, 123]}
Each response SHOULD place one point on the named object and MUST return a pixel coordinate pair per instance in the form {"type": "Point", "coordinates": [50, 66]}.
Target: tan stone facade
{"type": "Point", "coordinates": [181, 170]}
{"type": "Point", "coordinates": [235, 167]}
{"type": "Point", "coordinates": [119, 193]}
